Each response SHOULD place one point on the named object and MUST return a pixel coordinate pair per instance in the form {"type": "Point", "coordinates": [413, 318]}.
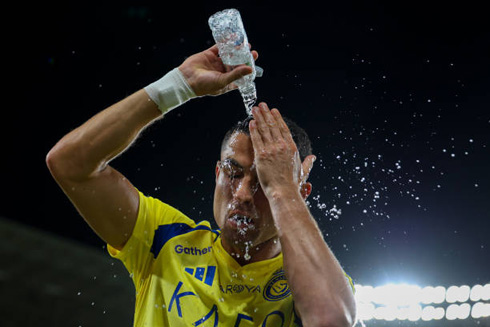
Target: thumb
{"type": "Point", "coordinates": [307, 166]}
{"type": "Point", "coordinates": [235, 74]}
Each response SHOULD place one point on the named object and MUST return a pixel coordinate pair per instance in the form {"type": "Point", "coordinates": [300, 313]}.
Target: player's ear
{"type": "Point", "coordinates": [217, 169]}
{"type": "Point", "coordinates": [305, 190]}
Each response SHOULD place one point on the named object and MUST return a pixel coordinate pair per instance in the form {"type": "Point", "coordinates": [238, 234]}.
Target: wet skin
{"type": "Point", "coordinates": [241, 208]}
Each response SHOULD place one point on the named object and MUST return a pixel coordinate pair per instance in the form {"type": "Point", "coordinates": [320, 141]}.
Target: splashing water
{"type": "Point", "coordinates": [333, 212]}
{"type": "Point", "coordinates": [249, 95]}
{"type": "Point", "coordinates": [244, 227]}
{"type": "Point", "coordinates": [247, 256]}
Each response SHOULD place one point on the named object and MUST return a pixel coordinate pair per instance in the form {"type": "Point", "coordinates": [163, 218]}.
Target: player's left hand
{"type": "Point", "coordinates": [278, 164]}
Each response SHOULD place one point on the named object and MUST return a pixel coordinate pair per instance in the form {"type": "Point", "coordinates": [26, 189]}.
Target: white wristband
{"type": "Point", "coordinates": [170, 91]}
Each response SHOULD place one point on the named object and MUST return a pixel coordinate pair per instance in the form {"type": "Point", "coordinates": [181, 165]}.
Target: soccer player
{"type": "Point", "coordinates": [267, 265]}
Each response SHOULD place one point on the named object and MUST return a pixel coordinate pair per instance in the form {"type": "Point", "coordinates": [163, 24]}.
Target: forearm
{"type": "Point", "coordinates": [89, 148]}
{"type": "Point", "coordinates": [322, 294]}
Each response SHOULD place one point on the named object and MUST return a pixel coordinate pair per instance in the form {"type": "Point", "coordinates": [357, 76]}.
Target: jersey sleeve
{"type": "Point", "coordinates": [351, 282]}
{"type": "Point", "coordinates": [138, 253]}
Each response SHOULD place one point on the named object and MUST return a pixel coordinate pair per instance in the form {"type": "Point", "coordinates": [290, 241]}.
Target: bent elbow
{"type": "Point", "coordinates": [52, 162]}
{"type": "Point", "coordinates": [62, 164]}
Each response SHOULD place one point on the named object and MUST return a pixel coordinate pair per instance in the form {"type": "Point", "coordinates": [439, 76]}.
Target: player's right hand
{"type": "Point", "coordinates": [207, 75]}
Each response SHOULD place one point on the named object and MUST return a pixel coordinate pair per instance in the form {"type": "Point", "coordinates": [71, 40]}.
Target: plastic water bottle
{"type": "Point", "coordinates": [231, 39]}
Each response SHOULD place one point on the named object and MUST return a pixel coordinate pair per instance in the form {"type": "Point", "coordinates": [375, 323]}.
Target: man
{"type": "Point", "coordinates": [268, 265]}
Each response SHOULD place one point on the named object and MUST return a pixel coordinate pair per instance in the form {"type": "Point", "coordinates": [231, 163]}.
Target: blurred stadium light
{"type": "Point", "coordinates": [413, 303]}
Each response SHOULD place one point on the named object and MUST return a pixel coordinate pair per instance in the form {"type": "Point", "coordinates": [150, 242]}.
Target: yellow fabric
{"type": "Point", "coordinates": [184, 277]}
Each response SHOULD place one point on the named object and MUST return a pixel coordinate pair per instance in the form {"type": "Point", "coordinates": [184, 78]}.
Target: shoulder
{"type": "Point", "coordinates": [160, 212]}
{"type": "Point", "coordinates": [168, 231]}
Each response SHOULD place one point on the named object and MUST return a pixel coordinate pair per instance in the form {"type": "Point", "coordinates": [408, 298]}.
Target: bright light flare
{"type": "Point", "coordinates": [411, 302]}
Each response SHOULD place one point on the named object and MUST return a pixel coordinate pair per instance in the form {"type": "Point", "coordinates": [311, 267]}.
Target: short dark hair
{"type": "Point", "coordinates": [300, 137]}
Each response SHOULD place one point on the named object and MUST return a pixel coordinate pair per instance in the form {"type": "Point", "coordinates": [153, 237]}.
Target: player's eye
{"type": "Point", "coordinates": [231, 170]}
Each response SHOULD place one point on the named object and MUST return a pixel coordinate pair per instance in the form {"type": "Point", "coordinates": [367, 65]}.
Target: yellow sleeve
{"type": "Point", "coordinates": [351, 282]}
{"type": "Point", "coordinates": [137, 254]}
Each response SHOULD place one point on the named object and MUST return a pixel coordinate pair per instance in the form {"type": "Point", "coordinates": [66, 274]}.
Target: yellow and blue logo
{"type": "Point", "coordinates": [277, 288]}
{"type": "Point", "coordinates": [202, 274]}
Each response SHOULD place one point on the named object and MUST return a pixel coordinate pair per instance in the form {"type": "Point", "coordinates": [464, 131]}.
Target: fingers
{"type": "Point", "coordinates": [229, 77]}
{"type": "Point", "coordinates": [239, 71]}
{"type": "Point", "coordinates": [233, 75]}
{"type": "Point", "coordinates": [273, 123]}
{"type": "Point", "coordinates": [276, 150]}
{"type": "Point", "coordinates": [213, 49]}
{"type": "Point", "coordinates": [266, 124]}
{"type": "Point", "coordinates": [257, 142]}
{"type": "Point", "coordinates": [255, 54]}
{"type": "Point", "coordinates": [283, 127]}
{"type": "Point", "coordinates": [270, 122]}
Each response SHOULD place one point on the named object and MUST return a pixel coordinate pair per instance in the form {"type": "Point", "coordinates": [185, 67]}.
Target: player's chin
{"type": "Point", "coordinates": [238, 234]}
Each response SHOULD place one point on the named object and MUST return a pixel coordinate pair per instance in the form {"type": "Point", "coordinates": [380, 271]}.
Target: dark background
{"type": "Point", "coordinates": [394, 96]}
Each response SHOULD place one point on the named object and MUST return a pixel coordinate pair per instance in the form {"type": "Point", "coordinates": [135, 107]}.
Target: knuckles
{"type": "Point", "coordinates": [277, 152]}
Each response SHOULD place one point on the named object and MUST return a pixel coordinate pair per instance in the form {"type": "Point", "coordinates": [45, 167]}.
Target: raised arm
{"type": "Point", "coordinates": [79, 161]}
{"type": "Point", "coordinates": [322, 295]}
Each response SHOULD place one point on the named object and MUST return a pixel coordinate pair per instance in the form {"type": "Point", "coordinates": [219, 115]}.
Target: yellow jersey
{"type": "Point", "coordinates": [184, 277]}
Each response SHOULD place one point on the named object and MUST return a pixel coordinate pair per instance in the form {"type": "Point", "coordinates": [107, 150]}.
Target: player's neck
{"type": "Point", "coordinates": [247, 253]}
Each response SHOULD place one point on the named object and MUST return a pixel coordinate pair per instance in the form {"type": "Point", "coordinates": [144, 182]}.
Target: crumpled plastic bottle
{"type": "Point", "coordinates": [231, 39]}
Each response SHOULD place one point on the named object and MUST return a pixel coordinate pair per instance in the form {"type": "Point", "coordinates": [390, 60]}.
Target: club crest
{"type": "Point", "coordinates": [277, 288]}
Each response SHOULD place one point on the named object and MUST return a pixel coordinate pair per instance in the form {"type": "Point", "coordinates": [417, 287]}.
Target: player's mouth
{"type": "Point", "coordinates": [238, 220]}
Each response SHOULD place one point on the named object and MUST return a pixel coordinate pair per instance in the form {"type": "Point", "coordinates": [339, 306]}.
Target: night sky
{"type": "Point", "coordinates": [395, 98]}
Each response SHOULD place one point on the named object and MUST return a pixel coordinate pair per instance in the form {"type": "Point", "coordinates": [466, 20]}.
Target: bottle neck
{"type": "Point", "coordinates": [248, 88]}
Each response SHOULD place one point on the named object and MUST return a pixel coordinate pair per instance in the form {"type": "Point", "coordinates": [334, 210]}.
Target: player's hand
{"type": "Point", "coordinates": [207, 75]}
{"type": "Point", "coordinates": [278, 164]}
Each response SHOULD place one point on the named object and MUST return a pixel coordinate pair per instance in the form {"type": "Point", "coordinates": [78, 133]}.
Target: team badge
{"type": "Point", "coordinates": [277, 288]}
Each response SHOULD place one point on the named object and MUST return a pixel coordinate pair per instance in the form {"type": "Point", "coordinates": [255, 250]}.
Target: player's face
{"type": "Point", "coordinates": [241, 208]}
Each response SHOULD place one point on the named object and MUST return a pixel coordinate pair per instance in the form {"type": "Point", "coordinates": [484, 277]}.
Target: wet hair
{"type": "Point", "coordinates": [300, 137]}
